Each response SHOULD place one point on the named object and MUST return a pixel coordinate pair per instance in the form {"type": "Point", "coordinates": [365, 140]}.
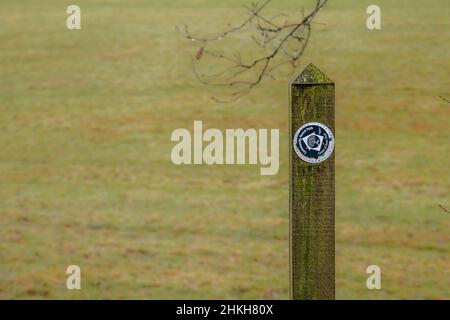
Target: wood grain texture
{"type": "Point", "coordinates": [312, 193]}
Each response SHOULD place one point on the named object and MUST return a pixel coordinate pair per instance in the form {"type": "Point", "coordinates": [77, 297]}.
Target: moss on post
{"type": "Point", "coordinates": [312, 203]}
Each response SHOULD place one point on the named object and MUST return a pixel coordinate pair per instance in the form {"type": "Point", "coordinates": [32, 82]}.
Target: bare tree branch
{"type": "Point", "coordinates": [278, 37]}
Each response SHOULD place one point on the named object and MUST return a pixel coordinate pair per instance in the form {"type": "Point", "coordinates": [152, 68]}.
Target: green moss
{"type": "Point", "coordinates": [312, 191]}
{"type": "Point", "coordinates": [312, 75]}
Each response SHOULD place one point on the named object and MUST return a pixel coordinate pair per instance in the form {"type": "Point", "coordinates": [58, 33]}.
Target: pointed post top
{"type": "Point", "coordinates": [312, 75]}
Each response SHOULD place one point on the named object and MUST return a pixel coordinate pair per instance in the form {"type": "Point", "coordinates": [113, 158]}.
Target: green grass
{"type": "Point", "coordinates": [86, 177]}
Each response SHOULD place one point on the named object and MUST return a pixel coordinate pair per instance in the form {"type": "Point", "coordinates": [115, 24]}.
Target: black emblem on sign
{"type": "Point", "coordinates": [313, 142]}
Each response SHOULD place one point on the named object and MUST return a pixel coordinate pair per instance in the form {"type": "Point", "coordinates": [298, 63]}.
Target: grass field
{"type": "Point", "coordinates": [86, 176]}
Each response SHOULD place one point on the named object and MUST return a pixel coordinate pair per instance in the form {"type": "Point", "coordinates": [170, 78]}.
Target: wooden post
{"type": "Point", "coordinates": [312, 237]}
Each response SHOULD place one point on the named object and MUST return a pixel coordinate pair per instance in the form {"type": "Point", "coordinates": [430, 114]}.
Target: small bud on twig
{"type": "Point", "coordinates": [199, 54]}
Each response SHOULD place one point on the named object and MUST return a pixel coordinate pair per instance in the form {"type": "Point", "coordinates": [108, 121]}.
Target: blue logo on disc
{"type": "Point", "coordinates": [314, 142]}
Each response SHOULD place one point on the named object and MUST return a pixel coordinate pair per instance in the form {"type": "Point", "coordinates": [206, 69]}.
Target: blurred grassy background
{"type": "Point", "coordinates": [86, 176]}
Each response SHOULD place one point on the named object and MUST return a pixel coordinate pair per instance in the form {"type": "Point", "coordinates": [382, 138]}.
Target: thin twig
{"type": "Point", "coordinates": [444, 99]}
{"type": "Point", "coordinates": [442, 207]}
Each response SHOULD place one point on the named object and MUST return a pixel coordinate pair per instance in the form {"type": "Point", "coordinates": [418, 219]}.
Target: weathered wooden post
{"type": "Point", "coordinates": [312, 237]}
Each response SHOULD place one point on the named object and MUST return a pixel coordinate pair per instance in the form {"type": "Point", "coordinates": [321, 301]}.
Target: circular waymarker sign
{"type": "Point", "coordinates": [313, 142]}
